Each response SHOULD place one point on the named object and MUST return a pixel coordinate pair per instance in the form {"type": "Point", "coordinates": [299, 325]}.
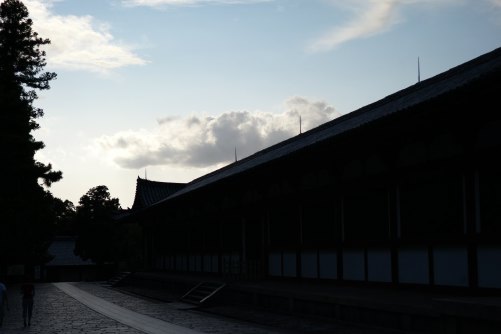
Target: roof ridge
{"type": "Point", "coordinates": [400, 100]}
{"type": "Point", "coordinates": [139, 179]}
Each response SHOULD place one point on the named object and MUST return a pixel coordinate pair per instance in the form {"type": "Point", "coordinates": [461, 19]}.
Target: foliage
{"type": "Point", "coordinates": [65, 214]}
{"type": "Point", "coordinates": [128, 246]}
{"type": "Point", "coordinates": [25, 206]}
{"type": "Point", "coordinates": [95, 225]}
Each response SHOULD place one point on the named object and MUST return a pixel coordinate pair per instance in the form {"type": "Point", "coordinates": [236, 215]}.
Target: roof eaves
{"type": "Point", "coordinates": [399, 101]}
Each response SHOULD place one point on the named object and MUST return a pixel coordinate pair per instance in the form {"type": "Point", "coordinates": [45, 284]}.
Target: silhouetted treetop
{"type": "Point", "coordinates": [21, 60]}
{"type": "Point", "coordinates": [95, 226]}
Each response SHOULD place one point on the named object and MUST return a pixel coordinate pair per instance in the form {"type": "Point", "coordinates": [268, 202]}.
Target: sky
{"type": "Point", "coordinates": [168, 89]}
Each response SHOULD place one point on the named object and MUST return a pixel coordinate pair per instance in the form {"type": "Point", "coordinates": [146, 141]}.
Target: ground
{"type": "Point", "coordinates": [57, 312]}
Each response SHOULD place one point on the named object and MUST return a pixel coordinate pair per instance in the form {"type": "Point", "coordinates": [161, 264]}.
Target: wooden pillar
{"type": "Point", "coordinates": [299, 246]}
{"type": "Point", "coordinates": [340, 249]}
{"type": "Point", "coordinates": [471, 212]}
{"type": "Point", "coordinates": [243, 258]}
{"type": "Point", "coordinates": [394, 230]}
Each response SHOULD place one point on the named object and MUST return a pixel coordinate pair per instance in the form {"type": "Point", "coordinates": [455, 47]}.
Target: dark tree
{"type": "Point", "coordinates": [25, 207]}
{"type": "Point", "coordinates": [95, 225]}
{"type": "Point", "coordinates": [65, 212]}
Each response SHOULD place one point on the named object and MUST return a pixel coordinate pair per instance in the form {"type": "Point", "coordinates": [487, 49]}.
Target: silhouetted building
{"type": "Point", "coordinates": [147, 194]}
{"type": "Point", "coordinates": [150, 192]}
{"type": "Point", "coordinates": [65, 265]}
{"type": "Point", "coordinates": [406, 190]}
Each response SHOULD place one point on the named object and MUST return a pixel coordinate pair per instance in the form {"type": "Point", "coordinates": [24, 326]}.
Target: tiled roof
{"type": "Point", "coordinates": [62, 250]}
{"type": "Point", "coordinates": [398, 102]}
{"type": "Point", "coordinates": [149, 192]}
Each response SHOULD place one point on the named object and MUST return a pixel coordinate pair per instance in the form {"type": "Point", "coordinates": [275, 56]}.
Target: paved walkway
{"type": "Point", "coordinates": [72, 308]}
{"type": "Point", "coordinates": [56, 312]}
{"type": "Point", "coordinates": [123, 315]}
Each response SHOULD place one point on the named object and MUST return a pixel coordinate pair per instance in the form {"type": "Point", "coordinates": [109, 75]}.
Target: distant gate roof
{"type": "Point", "coordinates": [62, 249]}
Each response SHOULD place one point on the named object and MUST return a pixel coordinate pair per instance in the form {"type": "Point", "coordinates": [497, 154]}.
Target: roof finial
{"type": "Point", "coordinates": [300, 125]}
{"type": "Point", "coordinates": [145, 174]}
{"type": "Point", "coordinates": [235, 154]}
{"type": "Point", "coordinates": [418, 70]}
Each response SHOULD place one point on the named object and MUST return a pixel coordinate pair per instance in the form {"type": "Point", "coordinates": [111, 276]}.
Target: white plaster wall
{"type": "Point", "coordinates": [289, 259]}
{"type": "Point", "coordinates": [275, 264]}
{"type": "Point", "coordinates": [450, 266]}
{"type": "Point", "coordinates": [309, 264]}
{"type": "Point", "coordinates": [169, 262]}
{"type": "Point", "coordinates": [413, 265]}
{"type": "Point", "coordinates": [489, 267]}
{"type": "Point", "coordinates": [198, 263]}
{"type": "Point", "coordinates": [328, 265]}
{"type": "Point", "coordinates": [353, 264]}
{"type": "Point", "coordinates": [207, 263]}
{"type": "Point", "coordinates": [235, 262]}
{"type": "Point", "coordinates": [193, 263]}
{"type": "Point", "coordinates": [379, 265]}
{"type": "Point", "coordinates": [215, 263]}
{"type": "Point", "coordinates": [182, 263]}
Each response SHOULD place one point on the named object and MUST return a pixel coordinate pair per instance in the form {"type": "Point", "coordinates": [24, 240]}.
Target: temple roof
{"type": "Point", "coordinates": [149, 192]}
{"type": "Point", "coordinates": [62, 249]}
{"type": "Point", "coordinates": [400, 101]}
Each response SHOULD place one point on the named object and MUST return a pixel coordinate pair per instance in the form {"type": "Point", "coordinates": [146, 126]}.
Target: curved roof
{"type": "Point", "coordinates": [62, 250]}
{"type": "Point", "coordinates": [149, 192]}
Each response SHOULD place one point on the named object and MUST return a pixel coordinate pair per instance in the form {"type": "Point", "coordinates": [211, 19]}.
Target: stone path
{"type": "Point", "coordinates": [91, 308]}
{"type": "Point", "coordinates": [226, 319]}
{"type": "Point", "coordinates": [56, 312]}
{"type": "Point", "coordinates": [123, 315]}
{"type": "Point", "coordinates": [181, 314]}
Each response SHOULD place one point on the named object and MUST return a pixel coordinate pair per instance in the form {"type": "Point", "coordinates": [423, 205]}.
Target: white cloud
{"type": "Point", "coordinates": [159, 3]}
{"type": "Point", "coordinates": [371, 17]}
{"type": "Point", "coordinates": [200, 142]}
{"type": "Point", "coordinates": [78, 42]}
{"type": "Point", "coordinates": [375, 16]}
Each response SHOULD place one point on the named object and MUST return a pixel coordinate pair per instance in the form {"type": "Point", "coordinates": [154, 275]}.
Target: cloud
{"type": "Point", "coordinates": [375, 17]}
{"type": "Point", "coordinates": [371, 17]}
{"type": "Point", "coordinates": [159, 3]}
{"type": "Point", "coordinates": [78, 42]}
{"type": "Point", "coordinates": [496, 3]}
{"type": "Point", "coordinates": [204, 141]}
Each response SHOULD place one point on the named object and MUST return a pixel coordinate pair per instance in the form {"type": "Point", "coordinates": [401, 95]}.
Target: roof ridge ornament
{"type": "Point", "coordinates": [418, 70]}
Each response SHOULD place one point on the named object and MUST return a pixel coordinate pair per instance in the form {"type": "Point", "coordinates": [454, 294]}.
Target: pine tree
{"type": "Point", "coordinates": [25, 206]}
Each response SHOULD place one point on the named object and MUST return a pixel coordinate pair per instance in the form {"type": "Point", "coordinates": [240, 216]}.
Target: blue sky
{"type": "Point", "coordinates": [171, 87]}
